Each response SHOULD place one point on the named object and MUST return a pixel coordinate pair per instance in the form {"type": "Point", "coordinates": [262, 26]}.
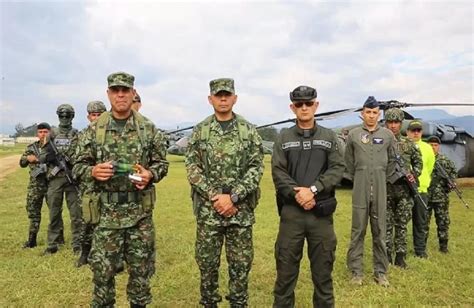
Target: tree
{"type": "Point", "coordinates": [268, 133]}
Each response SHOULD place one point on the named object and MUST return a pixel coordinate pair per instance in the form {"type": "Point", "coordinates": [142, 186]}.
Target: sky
{"type": "Point", "coordinates": [55, 52]}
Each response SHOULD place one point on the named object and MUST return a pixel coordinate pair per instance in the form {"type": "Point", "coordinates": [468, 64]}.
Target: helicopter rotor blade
{"type": "Point", "coordinates": [180, 130]}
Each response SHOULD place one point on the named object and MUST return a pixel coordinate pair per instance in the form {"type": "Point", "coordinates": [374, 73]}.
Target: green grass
{"type": "Point", "coordinates": [16, 149]}
{"type": "Point", "coordinates": [29, 280]}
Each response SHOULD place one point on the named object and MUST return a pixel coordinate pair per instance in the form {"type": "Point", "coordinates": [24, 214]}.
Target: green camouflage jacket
{"type": "Point", "coordinates": [224, 161]}
{"type": "Point", "coordinates": [410, 155]}
{"type": "Point", "coordinates": [439, 189]}
{"type": "Point", "coordinates": [31, 151]}
{"type": "Point", "coordinates": [125, 147]}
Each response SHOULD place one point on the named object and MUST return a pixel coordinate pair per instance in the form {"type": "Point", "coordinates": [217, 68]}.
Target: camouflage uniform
{"type": "Point", "coordinates": [223, 163]}
{"type": "Point", "coordinates": [37, 188]}
{"type": "Point", "coordinates": [438, 199]}
{"type": "Point", "coordinates": [65, 138]}
{"type": "Point", "coordinates": [399, 198]}
{"type": "Point", "coordinates": [125, 230]}
{"type": "Point", "coordinates": [87, 187]}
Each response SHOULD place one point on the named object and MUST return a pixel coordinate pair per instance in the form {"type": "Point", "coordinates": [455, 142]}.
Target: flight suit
{"type": "Point", "coordinates": [369, 159]}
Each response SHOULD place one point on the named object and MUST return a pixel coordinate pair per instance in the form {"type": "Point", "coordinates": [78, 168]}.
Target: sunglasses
{"type": "Point", "coordinates": [300, 104]}
{"type": "Point", "coordinates": [65, 115]}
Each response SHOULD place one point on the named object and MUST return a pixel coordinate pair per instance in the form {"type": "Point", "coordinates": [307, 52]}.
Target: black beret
{"type": "Point", "coordinates": [303, 94]}
{"type": "Point", "coordinates": [43, 125]}
{"type": "Point", "coordinates": [371, 103]}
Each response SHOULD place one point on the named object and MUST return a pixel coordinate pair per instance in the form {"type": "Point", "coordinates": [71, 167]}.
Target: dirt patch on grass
{"type": "Point", "coordinates": [465, 182]}
{"type": "Point", "coordinates": [8, 165]}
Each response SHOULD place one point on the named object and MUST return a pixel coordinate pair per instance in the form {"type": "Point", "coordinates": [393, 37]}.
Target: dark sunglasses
{"type": "Point", "coordinates": [300, 104]}
{"type": "Point", "coordinates": [65, 115]}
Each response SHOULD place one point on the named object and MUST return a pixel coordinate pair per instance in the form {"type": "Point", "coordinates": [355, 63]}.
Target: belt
{"type": "Point", "coordinates": [120, 197]}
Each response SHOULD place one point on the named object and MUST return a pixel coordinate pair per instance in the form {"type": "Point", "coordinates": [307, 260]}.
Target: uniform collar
{"type": "Point", "coordinates": [312, 130]}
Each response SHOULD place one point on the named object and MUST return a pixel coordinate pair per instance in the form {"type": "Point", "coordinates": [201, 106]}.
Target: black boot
{"type": "Point", "coordinates": [390, 257]}
{"type": "Point", "coordinates": [443, 246]}
{"type": "Point", "coordinates": [400, 260]}
{"type": "Point", "coordinates": [83, 259]}
{"type": "Point", "coordinates": [50, 251]}
{"type": "Point", "coordinates": [60, 240]}
{"type": "Point", "coordinates": [31, 240]}
{"type": "Point", "coordinates": [132, 305]}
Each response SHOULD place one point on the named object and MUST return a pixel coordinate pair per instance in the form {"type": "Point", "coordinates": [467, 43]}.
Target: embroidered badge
{"type": "Point", "coordinates": [306, 145]}
{"type": "Point", "coordinates": [364, 138]}
{"type": "Point", "coordinates": [323, 143]}
{"type": "Point", "coordinates": [291, 144]}
{"type": "Point", "coordinates": [378, 141]}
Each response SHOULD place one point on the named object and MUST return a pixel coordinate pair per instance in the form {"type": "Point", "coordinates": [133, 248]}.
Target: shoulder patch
{"type": "Point", "coordinates": [291, 144]}
{"type": "Point", "coordinates": [323, 143]}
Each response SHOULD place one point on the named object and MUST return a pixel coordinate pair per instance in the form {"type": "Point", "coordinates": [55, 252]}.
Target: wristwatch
{"type": "Point", "coordinates": [313, 189]}
{"type": "Point", "coordinates": [234, 198]}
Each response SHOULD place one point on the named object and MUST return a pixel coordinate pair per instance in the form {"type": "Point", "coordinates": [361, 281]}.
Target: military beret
{"type": "Point", "coordinates": [415, 124]}
{"type": "Point", "coordinates": [371, 103]}
{"type": "Point", "coordinates": [66, 108]}
{"type": "Point", "coordinates": [96, 106]}
{"type": "Point", "coordinates": [137, 99]}
{"type": "Point", "coordinates": [303, 94]}
{"type": "Point", "coordinates": [120, 79]}
{"type": "Point", "coordinates": [43, 125]}
{"type": "Point", "coordinates": [433, 139]}
{"type": "Point", "coordinates": [222, 84]}
{"type": "Point", "coordinates": [394, 114]}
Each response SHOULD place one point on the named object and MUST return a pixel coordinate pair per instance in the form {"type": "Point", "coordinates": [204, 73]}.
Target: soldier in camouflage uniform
{"type": "Point", "coordinates": [94, 110]}
{"type": "Point", "coordinates": [438, 194]}
{"type": "Point", "coordinates": [137, 103]}
{"type": "Point", "coordinates": [64, 137]}
{"type": "Point", "coordinates": [399, 199]}
{"type": "Point", "coordinates": [123, 154]}
{"type": "Point", "coordinates": [38, 185]}
{"type": "Point", "coordinates": [224, 163]}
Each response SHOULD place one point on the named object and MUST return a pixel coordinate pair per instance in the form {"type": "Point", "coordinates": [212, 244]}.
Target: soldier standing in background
{"type": "Point", "coordinates": [59, 186]}
{"type": "Point", "coordinates": [137, 102]}
{"type": "Point", "coordinates": [122, 140]}
{"type": "Point", "coordinates": [38, 185]}
{"type": "Point", "coordinates": [224, 163]}
{"type": "Point", "coordinates": [438, 200]}
{"type": "Point", "coordinates": [94, 110]}
{"type": "Point", "coordinates": [399, 199]}
{"type": "Point", "coordinates": [419, 212]}
{"type": "Point", "coordinates": [370, 158]}
{"type": "Point", "coordinates": [306, 167]}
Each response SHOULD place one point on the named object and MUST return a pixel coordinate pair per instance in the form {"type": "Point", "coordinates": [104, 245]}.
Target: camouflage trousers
{"type": "Point", "coordinates": [58, 188]}
{"type": "Point", "coordinates": [239, 253]}
{"type": "Point", "coordinates": [399, 207]}
{"type": "Point", "coordinates": [37, 189]}
{"type": "Point", "coordinates": [441, 213]}
{"type": "Point", "coordinates": [135, 245]}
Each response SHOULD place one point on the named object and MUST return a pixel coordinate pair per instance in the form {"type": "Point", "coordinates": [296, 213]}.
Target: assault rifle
{"type": "Point", "coordinates": [402, 172]}
{"type": "Point", "coordinates": [451, 183]}
{"type": "Point", "coordinates": [62, 162]}
{"type": "Point", "coordinates": [42, 167]}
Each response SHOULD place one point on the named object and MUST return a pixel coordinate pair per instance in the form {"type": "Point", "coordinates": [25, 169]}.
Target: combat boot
{"type": "Point", "coordinates": [400, 260]}
{"type": "Point", "coordinates": [60, 240]}
{"type": "Point", "coordinates": [83, 259]}
{"type": "Point", "coordinates": [132, 305]}
{"type": "Point", "coordinates": [443, 246]}
{"type": "Point", "coordinates": [31, 240]}
{"type": "Point", "coordinates": [50, 251]}
{"type": "Point", "coordinates": [212, 305]}
{"type": "Point", "coordinates": [381, 280]}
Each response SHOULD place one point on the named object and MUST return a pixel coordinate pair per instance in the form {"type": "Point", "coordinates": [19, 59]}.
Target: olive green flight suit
{"type": "Point", "coordinates": [370, 157]}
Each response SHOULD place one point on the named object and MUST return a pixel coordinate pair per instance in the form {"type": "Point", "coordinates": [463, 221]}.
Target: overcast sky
{"type": "Point", "coordinates": [61, 52]}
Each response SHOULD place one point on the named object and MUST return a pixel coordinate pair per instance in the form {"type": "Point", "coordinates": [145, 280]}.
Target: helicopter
{"type": "Point", "coordinates": [456, 143]}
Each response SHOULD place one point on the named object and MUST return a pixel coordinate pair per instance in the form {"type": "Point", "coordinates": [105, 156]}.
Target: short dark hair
{"type": "Point", "coordinates": [43, 125]}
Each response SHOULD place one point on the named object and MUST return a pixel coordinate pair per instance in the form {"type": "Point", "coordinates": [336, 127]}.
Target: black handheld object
{"type": "Point", "coordinates": [451, 183]}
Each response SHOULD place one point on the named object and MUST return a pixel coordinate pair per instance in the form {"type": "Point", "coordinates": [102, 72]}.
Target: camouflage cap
{"type": "Point", "coordinates": [303, 94]}
{"type": "Point", "coordinates": [394, 114]}
{"type": "Point", "coordinates": [96, 107]}
{"type": "Point", "coordinates": [222, 84]}
{"type": "Point", "coordinates": [43, 125]}
{"type": "Point", "coordinates": [415, 124]}
{"type": "Point", "coordinates": [120, 79]}
{"type": "Point", "coordinates": [137, 99]}
{"type": "Point", "coordinates": [433, 139]}
{"type": "Point", "coordinates": [65, 108]}
{"type": "Point", "coordinates": [371, 103]}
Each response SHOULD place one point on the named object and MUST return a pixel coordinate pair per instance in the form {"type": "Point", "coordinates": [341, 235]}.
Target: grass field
{"type": "Point", "coordinates": [16, 149]}
{"type": "Point", "coordinates": [29, 280]}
